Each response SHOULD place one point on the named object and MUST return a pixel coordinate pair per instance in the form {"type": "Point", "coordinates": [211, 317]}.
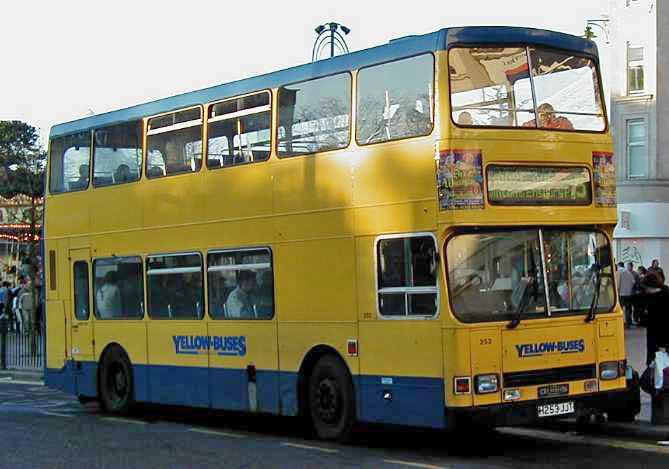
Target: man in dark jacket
{"type": "Point", "coordinates": [657, 300]}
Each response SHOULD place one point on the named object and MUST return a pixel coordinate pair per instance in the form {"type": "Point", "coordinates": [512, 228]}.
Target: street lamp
{"type": "Point", "coordinates": [329, 35]}
{"type": "Point", "coordinates": [602, 24]}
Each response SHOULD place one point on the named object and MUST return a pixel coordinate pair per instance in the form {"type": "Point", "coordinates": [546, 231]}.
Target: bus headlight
{"type": "Point", "coordinates": [609, 370]}
{"type": "Point", "coordinates": [486, 384]}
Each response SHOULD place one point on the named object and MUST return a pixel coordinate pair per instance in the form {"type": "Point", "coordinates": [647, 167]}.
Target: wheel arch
{"type": "Point", "coordinates": [110, 346]}
{"type": "Point", "coordinates": [306, 368]}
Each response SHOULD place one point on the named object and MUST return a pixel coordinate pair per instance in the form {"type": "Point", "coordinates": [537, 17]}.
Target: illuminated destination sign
{"type": "Point", "coordinates": [538, 185]}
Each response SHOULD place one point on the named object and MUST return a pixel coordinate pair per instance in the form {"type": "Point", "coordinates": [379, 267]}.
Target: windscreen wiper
{"type": "Point", "coordinates": [530, 289]}
{"type": "Point", "coordinates": [595, 295]}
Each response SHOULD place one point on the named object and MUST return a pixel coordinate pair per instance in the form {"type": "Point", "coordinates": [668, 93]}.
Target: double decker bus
{"type": "Point", "coordinates": [414, 234]}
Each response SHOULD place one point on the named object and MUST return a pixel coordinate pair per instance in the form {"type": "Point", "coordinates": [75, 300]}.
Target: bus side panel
{"type": "Point", "coordinates": [58, 373]}
{"type": "Point", "coordinates": [401, 369]}
{"type": "Point", "coordinates": [243, 365]}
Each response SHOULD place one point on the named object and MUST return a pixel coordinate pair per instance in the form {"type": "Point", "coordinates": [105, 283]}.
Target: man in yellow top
{"type": "Point", "coordinates": [548, 120]}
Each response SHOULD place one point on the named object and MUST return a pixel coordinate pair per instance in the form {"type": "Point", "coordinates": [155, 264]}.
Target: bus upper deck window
{"type": "Point", "coordinates": [395, 100]}
{"type": "Point", "coordinates": [117, 154]}
{"type": "Point", "coordinates": [527, 87]}
{"type": "Point", "coordinates": [174, 143]}
{"type": "Point", "coordinates": [70, 158]}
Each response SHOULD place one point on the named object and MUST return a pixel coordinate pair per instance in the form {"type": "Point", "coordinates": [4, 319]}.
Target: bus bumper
{"type": "Point", "coordinates": [526, 412]}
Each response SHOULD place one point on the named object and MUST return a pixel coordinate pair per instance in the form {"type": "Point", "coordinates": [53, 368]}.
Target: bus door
{"type": "Point", "coordinates": [243, 331]}
{"type": "Point", "coordinates": [81, 328]}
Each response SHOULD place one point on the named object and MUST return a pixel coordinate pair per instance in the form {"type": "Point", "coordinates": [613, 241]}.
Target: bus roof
{"type": "Point", "coordinates": [396, 48]}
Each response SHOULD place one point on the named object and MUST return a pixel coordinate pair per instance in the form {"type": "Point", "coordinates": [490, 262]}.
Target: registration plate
{"type": "Point", "coordinates": [559, 408]}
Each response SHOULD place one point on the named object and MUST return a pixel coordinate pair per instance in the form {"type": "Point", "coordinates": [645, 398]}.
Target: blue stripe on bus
{"type": "Point", "coordinates": [395, 49]}
{"type": "Point", "coordinates": [412, 401]}
{"type": "Point", "coordinates": [402, 400]}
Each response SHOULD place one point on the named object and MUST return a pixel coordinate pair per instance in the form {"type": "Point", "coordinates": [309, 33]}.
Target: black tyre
{"type": "Point", "coordinates": [331, 399]}
{"type": "Point", "coordinates": [115, 387]}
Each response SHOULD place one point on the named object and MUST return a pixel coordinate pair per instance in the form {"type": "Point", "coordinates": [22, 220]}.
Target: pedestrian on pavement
{"type": "Point", "coordinates": [640, 313]}
{"type": "Point", "coordinates": [655, 267]}
{"type": "Point", "coordinates": [625, 280]}
{"type": "Point", "coordinates": [657, 299]}
{"type": "Point", "coordinates": [4, 294]}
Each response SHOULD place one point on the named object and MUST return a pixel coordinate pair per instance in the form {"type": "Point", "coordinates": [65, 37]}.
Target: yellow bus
{"type": "Point", "coordinates": [414, 234]}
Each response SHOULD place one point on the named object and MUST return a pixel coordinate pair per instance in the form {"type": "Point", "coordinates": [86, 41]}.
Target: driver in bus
{"type": "Point", "coordinates": [548, 120]}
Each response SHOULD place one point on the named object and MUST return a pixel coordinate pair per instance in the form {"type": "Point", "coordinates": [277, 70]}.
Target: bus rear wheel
{"type": "Point", "coordinates": [331, 399]}
{"type": "Point", "coordinates": [116, 383]}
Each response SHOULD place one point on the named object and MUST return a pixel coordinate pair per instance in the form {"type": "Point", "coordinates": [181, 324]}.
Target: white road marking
{"type": "Point", "coordinates": [584, 439]}
{"type": "Point", "coordinates": [315, 448]}
{"type": "Point", "coordinates": [413, 464]}
{"type": "Point", "coordinates": [216, 432]}
{"type": "Point", "coordinates": [122, 420]}
{"type": "Point", "coordinates": [19, 381]}
{"type": "Point", "coordinates": [56, 414]}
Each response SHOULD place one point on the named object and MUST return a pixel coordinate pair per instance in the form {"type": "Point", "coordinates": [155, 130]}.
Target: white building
{"type": "Point", "coordinates": [639, 114]}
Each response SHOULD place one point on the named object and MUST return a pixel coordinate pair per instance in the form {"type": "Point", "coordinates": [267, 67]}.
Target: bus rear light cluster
{"type": "Point", "coordinates": [462, 385]}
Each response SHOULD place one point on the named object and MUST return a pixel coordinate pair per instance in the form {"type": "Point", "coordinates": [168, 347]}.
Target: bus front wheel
{"type": "Point", "coordinates": [331, 399]}
{"type": "Point", "coordinates": [116, 384]}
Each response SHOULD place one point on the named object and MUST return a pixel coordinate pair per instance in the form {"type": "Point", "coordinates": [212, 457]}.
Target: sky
{"type": "Point", "coordinates": [64, 59]}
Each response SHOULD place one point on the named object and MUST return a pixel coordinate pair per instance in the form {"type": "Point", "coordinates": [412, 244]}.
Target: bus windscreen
{"type": "Point", "coordinates": [528, 87]}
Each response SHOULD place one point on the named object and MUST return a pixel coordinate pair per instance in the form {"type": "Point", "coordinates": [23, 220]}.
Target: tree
{"type": "Point", "coordinates": [22, 161]}
{"type": "Point", "coordinates": [22, 166]}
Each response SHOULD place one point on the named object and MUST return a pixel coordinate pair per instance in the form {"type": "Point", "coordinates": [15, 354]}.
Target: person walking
{"type": "Point", "coordinates": [655, 268]}
{"type": "Point", "coordinates": [4, 296]}
{"type": "Point", "coordinates": [640, 312]}
{"type": "Point", "coordinates": [625, 280]}
{"type": "Point", "coordinates": [657, 298]}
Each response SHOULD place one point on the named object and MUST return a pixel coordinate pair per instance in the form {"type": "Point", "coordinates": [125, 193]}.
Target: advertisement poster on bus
{"type": "Point", "coordinates": [604, 174]}
{"type": "Point", "coordinates": [460, 179]}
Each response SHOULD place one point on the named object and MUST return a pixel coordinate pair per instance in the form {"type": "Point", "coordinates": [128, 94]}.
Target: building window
{"type": "Point", "coordinates": [407, 276]}
{"type": "Point", "coordinates": [635, 80]}
{"type": "Point", "coordinates": [636, 149]}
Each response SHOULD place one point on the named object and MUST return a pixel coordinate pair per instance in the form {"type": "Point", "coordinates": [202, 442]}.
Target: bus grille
{"type": "Point", "coordinates": [549, 376]}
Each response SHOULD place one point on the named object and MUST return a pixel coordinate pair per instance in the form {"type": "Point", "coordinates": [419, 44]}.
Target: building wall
{"type": "Point", "coordinates": [642, 233]}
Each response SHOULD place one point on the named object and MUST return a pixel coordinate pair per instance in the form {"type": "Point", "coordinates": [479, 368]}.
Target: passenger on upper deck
{"type": "Point", "coordinates": [82, 182]}
{"type": "Point", "coordinates": [465, 118]}
{"type": "Point", "coordinates": [548, 120]}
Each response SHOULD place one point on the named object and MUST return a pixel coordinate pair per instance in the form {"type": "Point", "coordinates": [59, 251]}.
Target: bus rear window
{"type": "Point", "coordinates": [69, 162]}
{"type": "Point", "coordinates": [528, 87]}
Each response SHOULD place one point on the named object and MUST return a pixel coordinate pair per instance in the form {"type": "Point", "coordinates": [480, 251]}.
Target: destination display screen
{"type": "Point", "coordinates": [538, 185]}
